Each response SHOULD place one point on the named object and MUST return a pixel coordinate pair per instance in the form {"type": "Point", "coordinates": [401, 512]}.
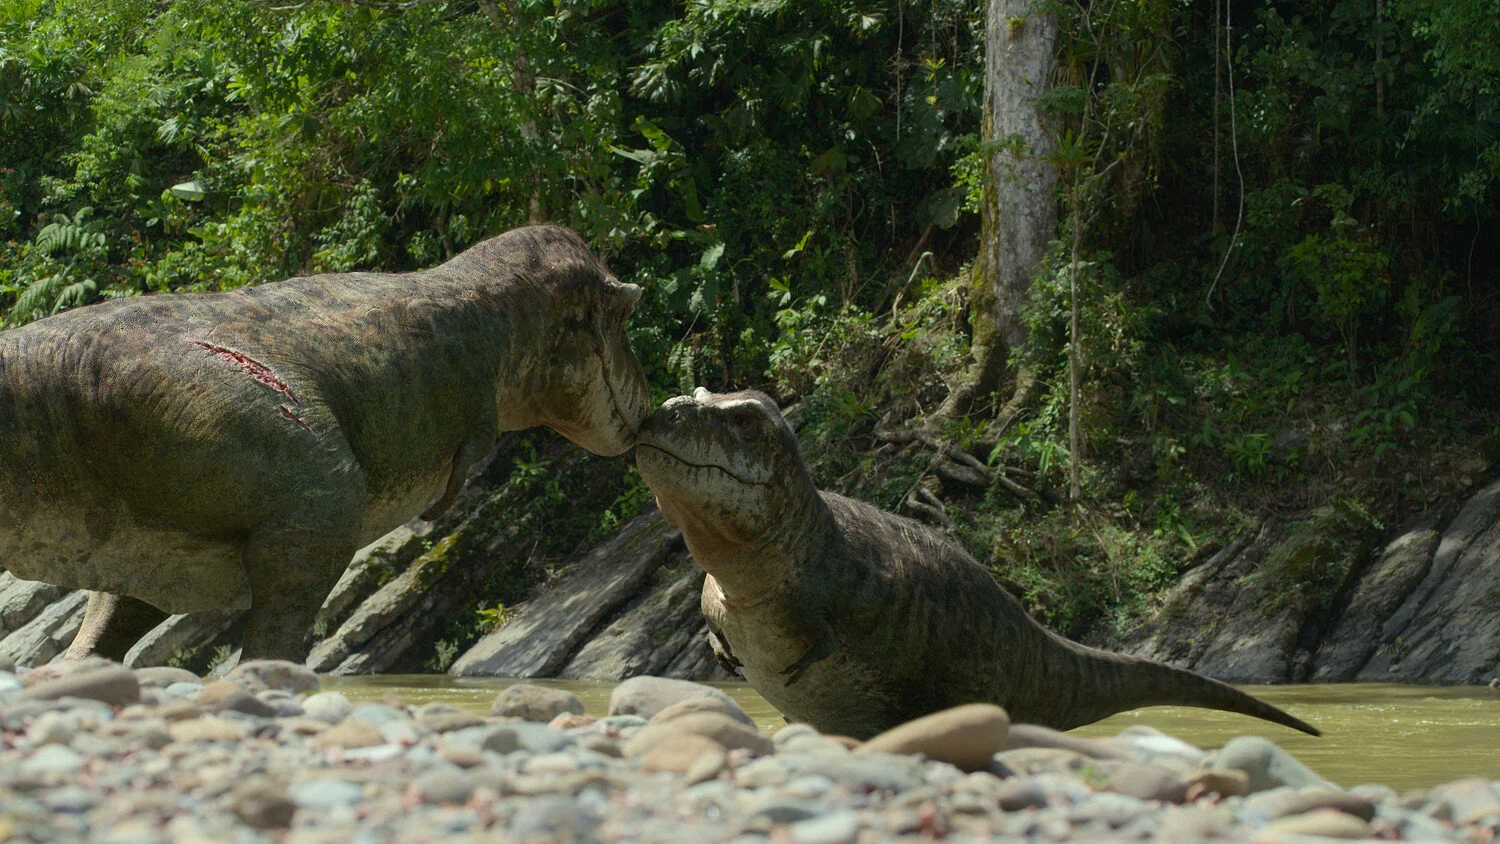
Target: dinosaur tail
{"type": "Point", "coordinates": [1103, 683]}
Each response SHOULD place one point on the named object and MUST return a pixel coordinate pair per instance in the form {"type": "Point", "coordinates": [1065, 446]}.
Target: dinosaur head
{"type": "Point", "coordinates": [587, 384]}
{"type": "Point", "coordinates": [724, 467]}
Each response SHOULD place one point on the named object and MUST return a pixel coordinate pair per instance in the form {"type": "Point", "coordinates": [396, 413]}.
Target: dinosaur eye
{"type": "Point", "coordinates": [745, 429]}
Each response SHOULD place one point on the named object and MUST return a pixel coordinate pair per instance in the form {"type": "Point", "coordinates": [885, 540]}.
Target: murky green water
{"type": "Point", "coordinates": [1402, 736]}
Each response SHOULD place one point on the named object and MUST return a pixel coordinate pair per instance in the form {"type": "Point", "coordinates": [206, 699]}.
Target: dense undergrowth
{"type": "Point", "coordinates": [1288, 285]}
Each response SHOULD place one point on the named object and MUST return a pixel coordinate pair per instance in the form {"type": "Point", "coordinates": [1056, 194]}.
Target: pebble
{"type": "Point", "coordinates": [223, 695]}
{"type": "Point", "coordinates": [261, 674]}
{"type": "Point", "coordinates": [841, 827]}
{"type": "Point", "coordinates": [703, 704]}
{"type": "Point", "coordinates": [182, 689]}
{"type": "Point", "coordinates": [207, 728]}
{"type": "Point", "coordinates": [1225, 783]}
{"type": "Point", "coordinates": [170, 769]}
{"type": "Point", "coordinates": [964, 736]}
{"type": "Point", "coordinates": [1324, 823]}
{"type": "Point", "coordinates": [53, 759]}
{"type": "Point", "coordinates": [445, 718]}
{"type": "Point", "coordinates": [444, 786]}
{"type": "Point", "coordinates": [1267, 765]}
{"type": "Point", "coordinates": [677, 753]}
{"type": "Point", "coordinates": [263, 803]}
{"type": "Point", "coordinates": [723, 729]}
{"type": "Point", "coordinates": [325, 794]}
{"type": "Point", "coordinates": [330, 707]}
{"type": "Point", "coordinates": [645, 696]}
{"type": "Point", "coordinates": [110, 684]}
{"type": "Point", "coordinates": [161, 676]}
{"type": "Point", "coordinates": [351, 734]}
{"type": "Point", "coordinates": [535, 703]}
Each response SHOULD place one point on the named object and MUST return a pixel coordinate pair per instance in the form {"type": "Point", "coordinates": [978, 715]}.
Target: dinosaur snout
{"type": "Point", "coordinates": [671, 414]}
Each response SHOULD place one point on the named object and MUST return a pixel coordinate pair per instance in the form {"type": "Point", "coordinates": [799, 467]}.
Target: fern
{"type": "Point", "coordinates": [69, 235]}
{"type": "Point", "coordinates": [37, 294]}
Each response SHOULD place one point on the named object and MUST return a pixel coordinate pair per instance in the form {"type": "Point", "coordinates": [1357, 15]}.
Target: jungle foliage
{"type": "Point", "coordinates": [1285, 210]}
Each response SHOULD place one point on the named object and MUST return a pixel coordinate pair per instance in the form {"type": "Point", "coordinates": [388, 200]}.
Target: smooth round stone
{"type": "Point", "coordinates": [723, 729]}
{"type": "Point", "coordinates": [1225, 783]}
{"type": "Point", "coordinates": [109, 684]}
{"type": "Point", "coordinates": [445, 786]}
{"type": "Point", "coordinates": [1034, 735]}
{"type": "Point", "coordinates": [162, 676]}
{"type": "Point", "coordinates": [676, 754]}
{"type": "Point", "coordinates": [401, 732]}
{"type": "Point", "coordinates": [1467, 801]}
{"type": "Point", "coordinates": [524, 735]}
{"type": "Point", "coordinates": [571, 721]}
{"type": "Point", "coordinates": [52, 728]}
{"type": "Point", "coordinates": [780, 810]}
{"type": "Point", "coordinates": [182, 690]}
{"type": "Point", "coordinates": [445, 718]}
{"type": "Point", "coordinates": [811, 786]}
{"type": "Point", "coordinates": [1143, 782]}
{"type": "Point", "coordinates": [551, 764]}
{"type": "Point", "coordinates": [325, 794]}
{"type": "Point", "coordinates": [1325, 823]}
{"type": "Point", "coordinates": [601, 745]}
{"type": "Point", "coordinates": [813, 744]}
{"type": "Point", "coordinates": [873, 772]}
{"type": "Point", "coordinates": [71, 798]}
{"type": "Point", "coordinates": [10, 686]}
{"type": "Point", "coordinates": [620, 724]}
{"type": "Point", "coordinates": [52, 759]}
{"type": "Point", "coordinates": [377, 714]}
{"type": "Point", "coordinates": [463, 757]}
{"type": "Point", "coordinates": [1153, 747]}
{"type": "Point", "coordinates": [535, 703]}
{"type": "Point", "coordinates": [152, 733]}
{"type": "Point", "coordinates": [840, 827]}
{"type": "Point", "coordinates": [1267, 765]}
{"type": "Point", "coordinates": [207, 728]}
{"type": "Point", "coordinates": [329, 707]}
{"type": "Point", "coordinates": [1281, 802]}
{"type": "Point", "coordinates": [966, 737]}
{"type": "Point", "coordinates": [1195, 823]}
{"type": "Point", "coordinates": [260, 674]}
{"type": "Point", "coordinates": [646, 695]}
{"type": "Point", "coordinates": [222, 695]}
{"type": "Point", "coordinates": [552, 817]}
{"type": "Point", "coordinates": [350, 734]}
{"type": "Point", "coordinates": [263, 803]}
{"type": "Point", "coordinates": [703, 704]}
{"type": "Point", "coordinates": [794, 731]}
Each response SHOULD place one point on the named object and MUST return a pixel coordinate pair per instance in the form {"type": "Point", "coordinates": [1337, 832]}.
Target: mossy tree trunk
{"type": "Point", "coordinates": [1019, 214]}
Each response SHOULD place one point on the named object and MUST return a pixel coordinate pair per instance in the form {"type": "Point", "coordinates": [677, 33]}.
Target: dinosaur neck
{"type": "Point", "coordinates": [753, 568]}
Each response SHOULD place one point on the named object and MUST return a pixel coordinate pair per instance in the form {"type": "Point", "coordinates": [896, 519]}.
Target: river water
{"type": "Point", "coordinates": [1401, 736]}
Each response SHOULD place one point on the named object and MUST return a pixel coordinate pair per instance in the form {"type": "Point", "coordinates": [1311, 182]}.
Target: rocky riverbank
{"type": "Point", "coordinates": [97, 752]}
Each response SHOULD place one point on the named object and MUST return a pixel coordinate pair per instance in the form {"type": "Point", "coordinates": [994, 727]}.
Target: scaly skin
{"type": "Point", "coordinates": [855, 620]}
{"type": "Point", "coordinates": [231, 449]}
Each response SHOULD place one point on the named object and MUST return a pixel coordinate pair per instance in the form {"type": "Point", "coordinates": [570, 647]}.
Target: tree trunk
{"type": "Point", "coordinates": [1021, 220]}
{"type": "Point", "coordinates": [1019, 214]}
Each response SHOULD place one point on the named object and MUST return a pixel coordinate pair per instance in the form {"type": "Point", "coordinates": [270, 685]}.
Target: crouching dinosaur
{"type": "Point", "coordinates": [194, 451]}
{"type": "Point", "coordinates": [854, 620]}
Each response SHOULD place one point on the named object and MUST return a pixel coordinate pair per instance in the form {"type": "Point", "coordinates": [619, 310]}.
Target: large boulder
{"type": "Point", "coordinates": [544, 632]}
{"type": "Point", "coordinates": [48, 633]}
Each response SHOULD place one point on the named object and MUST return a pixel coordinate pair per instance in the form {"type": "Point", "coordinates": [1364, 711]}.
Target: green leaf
{"type": "Point", "coordinates": [190, 191]}
{"type": "Point", "coordinates": [711, 256]}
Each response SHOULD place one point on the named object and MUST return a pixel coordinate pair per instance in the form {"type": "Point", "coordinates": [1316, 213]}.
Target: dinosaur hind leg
{"type": "Point", "coordinates": [112, 624]}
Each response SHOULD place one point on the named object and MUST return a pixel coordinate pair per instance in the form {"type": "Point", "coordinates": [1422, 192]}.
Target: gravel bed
{"type": "Point", "coordinates": [94, 752]}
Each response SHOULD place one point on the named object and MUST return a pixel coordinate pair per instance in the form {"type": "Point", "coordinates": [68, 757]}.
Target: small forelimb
{"type": "Point", "coordinates": [822, 646]}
